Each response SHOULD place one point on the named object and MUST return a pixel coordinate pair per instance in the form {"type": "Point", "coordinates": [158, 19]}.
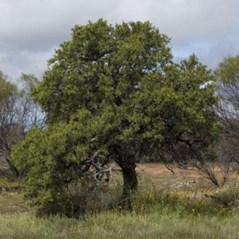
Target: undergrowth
{"type": "Point", "coordinates": [156, 213]}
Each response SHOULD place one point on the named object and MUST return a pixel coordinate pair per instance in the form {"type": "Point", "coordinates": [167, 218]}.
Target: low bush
{"type": "Point", "coordinates": [227, 197]}
{"type": "Point", "coordinates": [150, 199]}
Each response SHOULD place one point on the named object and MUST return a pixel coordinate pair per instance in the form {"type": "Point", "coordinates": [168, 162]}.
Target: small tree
{"type": "Point", "coordinates": [228, 108]}
{"type": "Point", "coordinates": [113, 93]}
{"type": "Point", "coordinates": [218, 163]}
{"type": "Point", "coordinates": [18, 113]}
{"type": "Point", "coordinates": [10, 131]}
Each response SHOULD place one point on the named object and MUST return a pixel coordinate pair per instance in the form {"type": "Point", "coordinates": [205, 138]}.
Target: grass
{"type": "Point", "coordinates": [120, 225]}
{"type": "Point", "coordinates": [163, 208]}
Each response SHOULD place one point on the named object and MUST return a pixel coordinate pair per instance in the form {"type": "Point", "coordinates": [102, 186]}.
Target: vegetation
{"type": "Point", "coordinates": [113, 93]}
{"type": "Point", "coordinates": [228, 108]}
{"type": "Point", "coordinates": [167, 225]}
{"type": "Point", "coordinates": [165, 212]}
{"type": "Point", "coordinates": [225, 150]}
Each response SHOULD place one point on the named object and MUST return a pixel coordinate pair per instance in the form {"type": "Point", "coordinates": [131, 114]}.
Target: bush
{"type": "Point", "coordinates": [227, 197]}
{"type": "Point", "coordinates": [150, 199]}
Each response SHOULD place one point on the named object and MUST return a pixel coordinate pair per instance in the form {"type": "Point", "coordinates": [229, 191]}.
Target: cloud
{"type": "Point", "coordinates": [30, 30]}
{"type": "Point", "coordinates": [187, 19]}
{"type": "Point", "coordinates": [27, 20]}
{"type": "Point", "coordinates": [24, 62]}
{"type": "Point", "coordinates": [210, 53]}
{"type": "Point", "coordinates": [46, 20]}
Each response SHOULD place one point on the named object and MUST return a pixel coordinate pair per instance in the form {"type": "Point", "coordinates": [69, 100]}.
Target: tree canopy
{"type": "Point", "coordinates": [228, 69]}
{"type": "Point", "coordinates": [113, 93]}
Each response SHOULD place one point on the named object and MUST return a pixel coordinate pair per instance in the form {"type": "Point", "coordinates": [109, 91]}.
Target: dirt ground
{"type": "Point", "coordinates": [160, 170]}
{"type": "Point", "coordinates": [181, 180]}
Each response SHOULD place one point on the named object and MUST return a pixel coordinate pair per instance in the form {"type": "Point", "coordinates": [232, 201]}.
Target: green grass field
{"type": "Point", "coordinates": [163, 208]}
{"type": "Point", "coordinates": [120, 225]}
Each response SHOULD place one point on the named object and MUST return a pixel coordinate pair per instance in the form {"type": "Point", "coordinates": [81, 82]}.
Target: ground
{"type": "Point", "coordinates": [188, 182]}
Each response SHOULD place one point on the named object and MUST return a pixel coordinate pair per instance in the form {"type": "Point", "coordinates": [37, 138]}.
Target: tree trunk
{"type": "Point", "coordinates": [130, 186]}
{"type": "Point", "coordinates": [130, 179]}
{"type": "Point", "coordinates": [130, 182]}
{"type": "Point", "coordinates": [126, 160]}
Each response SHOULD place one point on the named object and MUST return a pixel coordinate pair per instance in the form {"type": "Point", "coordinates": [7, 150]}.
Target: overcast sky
{"type": "Point", "coordinates": [30, 30]}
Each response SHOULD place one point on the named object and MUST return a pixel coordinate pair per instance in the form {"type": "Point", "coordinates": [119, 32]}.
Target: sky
{"type": "Point", "coordinates": [31, 30]}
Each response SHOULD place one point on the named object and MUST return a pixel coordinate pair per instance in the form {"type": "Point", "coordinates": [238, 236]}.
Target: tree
{"type": "Point", "coordinates": [223, 154]}
{"type": "Point", "coordinates": [226, 149]}
{"type": "Point", "coordinates": [113, 93]}
{"type": "Point", "coordinates": [29, 112]}
{"type": "Point", "coordinates": [228, 108]}
{"type": "Point", "coordinates": [10, 131]}
{"type": "Point", "coordinates": [18, 113]}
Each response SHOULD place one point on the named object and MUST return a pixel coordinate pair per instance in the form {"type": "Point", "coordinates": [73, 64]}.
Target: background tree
{"type": "Point", "coordinates": [225, 152]}
{"type": "Point", "coordinates": [29, 112]}
{"type": "Point", "coordinates": [18, 113]}
{"type": "Point", "coordinates": [228, 109]}
{"type": "Point", "coordinates": [113, 93]}
{"type": "Point", "coordinates": [10, 131]}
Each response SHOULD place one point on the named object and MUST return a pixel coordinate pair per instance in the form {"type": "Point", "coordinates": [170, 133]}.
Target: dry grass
{"type": "Point", "coordinates": [189, 179]}
{"type": "Point", "coordinates": [11, 203]}
{"type": "Point", "coordinates": [184, 181]}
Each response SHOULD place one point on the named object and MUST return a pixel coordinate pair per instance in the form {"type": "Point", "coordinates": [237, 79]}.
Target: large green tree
{"type": "Point", "coordinates": [113, 93]}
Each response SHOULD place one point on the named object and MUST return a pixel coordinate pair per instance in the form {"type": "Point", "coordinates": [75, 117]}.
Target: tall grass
{"type": "Point", "coordinates": [120, 225]}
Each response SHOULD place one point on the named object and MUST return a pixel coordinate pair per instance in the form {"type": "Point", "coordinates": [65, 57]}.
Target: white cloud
{"type": "Point", "coordinates": [183, 19]}
{"type": "Point", "coordinates": [24, 62]}
{"type": "Point", "coordinates": [27, 19]}
{"type": "Point", "coordinates": [29, 30]}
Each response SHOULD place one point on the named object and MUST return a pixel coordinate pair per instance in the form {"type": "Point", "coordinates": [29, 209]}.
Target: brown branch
{"type": "Point", "coordinates": [169, 168]}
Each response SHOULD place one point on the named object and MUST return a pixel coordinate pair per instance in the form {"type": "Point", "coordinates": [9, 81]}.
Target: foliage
{"type": "Point", "coordinates": [113, 93]}
{"type": "Point", "coordinates": [57, 186]}
{"type": "Point", "coordinates": [228, 69]}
